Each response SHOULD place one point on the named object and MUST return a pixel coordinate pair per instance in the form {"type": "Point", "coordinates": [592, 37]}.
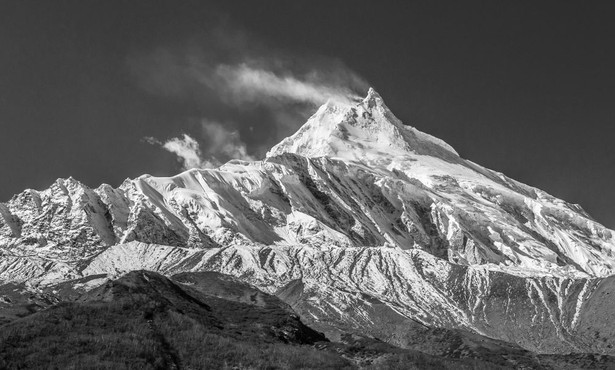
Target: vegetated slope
{"type": "Point", "coordinates": [472, 350]}
{"type": "Point", "coordinates": [144, 320]}
{"type": "Point", "coordinates": [371, 218]}
{"type": "Point", "coordinates": [209, 320]}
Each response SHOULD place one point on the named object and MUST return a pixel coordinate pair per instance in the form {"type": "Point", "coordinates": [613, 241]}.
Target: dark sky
{"type": "Point", "coordinates": [522, 87]}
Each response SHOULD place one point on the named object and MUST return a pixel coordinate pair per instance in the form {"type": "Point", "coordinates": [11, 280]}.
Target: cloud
{"type": "Point", "coordinates": [259, 93]}
{"type": "Point", "coordinates": [228, 63]}
{"type": "Point", "coordinates": [266, 81]}
{"type": "Point", "coordinates": [247, 84]}
{"type": "Point", "coordinates": [186, 148]}
{"type": "Point", "coordinates": [221, 145]}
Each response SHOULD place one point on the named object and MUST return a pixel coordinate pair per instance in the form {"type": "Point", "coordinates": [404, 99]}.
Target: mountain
{"type": "Point", "coordinates": [364, 225]}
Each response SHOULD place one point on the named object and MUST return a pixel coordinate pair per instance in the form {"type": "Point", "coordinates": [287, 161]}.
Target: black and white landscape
{"type": "Point", "coordinates": [357, 241]}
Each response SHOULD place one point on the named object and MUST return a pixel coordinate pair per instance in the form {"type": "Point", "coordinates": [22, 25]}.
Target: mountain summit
{"type": "Point", "coordinates": [366, 132]}
{"type": "Point", "coordinates": [358, 221]}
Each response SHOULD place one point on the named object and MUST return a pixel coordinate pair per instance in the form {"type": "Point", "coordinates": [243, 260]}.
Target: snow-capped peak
{"type": "Point", "coordinates": [366, 131]}
{"type": "Point", "coordinates": [372, 98]}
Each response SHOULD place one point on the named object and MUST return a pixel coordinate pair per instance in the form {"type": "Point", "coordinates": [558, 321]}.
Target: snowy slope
{"type": "Point", "coordinates": [354, 205]}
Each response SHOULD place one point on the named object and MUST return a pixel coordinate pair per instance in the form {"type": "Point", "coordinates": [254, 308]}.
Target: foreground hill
{"type": "Point", "coordinates": [144, 320]}
{"type": "Point", "coordinates": [208, 320]}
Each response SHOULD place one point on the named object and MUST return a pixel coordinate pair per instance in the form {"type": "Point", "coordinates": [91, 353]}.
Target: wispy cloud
{"type": "Point", "coordinates": [223, 144]}
{"type": "Point", "coordinates": [185, 148]}
{"type": "Point", "coordinates": [220, 146]}
{"type": "Point", "coordinates": [247, 84]}
{"type": "Point", "coordinates": [260, 93]}
{"type": "Point", "coordinates": [267, 81]}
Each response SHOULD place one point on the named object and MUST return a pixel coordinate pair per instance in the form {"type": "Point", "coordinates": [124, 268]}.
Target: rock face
{"type": "Point", "coordinates": [356, 220]}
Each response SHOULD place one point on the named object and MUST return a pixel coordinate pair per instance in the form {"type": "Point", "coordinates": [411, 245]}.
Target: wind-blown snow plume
{"type": "Point", "coordinates": [269, 81]}
{"type": "Point", "coordinates": [245, 83]}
